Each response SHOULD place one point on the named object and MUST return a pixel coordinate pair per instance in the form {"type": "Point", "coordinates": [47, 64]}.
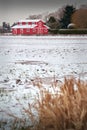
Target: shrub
{"type": "Point", "coordinates": [65, 109]}
{"type": "Point", "coordinates": [73, 31]}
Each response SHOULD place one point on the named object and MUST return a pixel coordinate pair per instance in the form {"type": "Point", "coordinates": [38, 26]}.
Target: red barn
{"type": "Point", "coordinates": [30, 27]}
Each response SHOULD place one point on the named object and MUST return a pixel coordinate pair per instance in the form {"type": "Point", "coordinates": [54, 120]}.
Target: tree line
{"type": "Point", "coordinates": [69, 18]}
{"type": "Point", "coordinates": [66, 17]}
{"type": "Point", "coordinates": [5, 28]}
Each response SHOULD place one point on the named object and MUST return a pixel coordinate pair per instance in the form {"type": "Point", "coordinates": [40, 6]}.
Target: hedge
{"type": "Point", "coordinates": [72, 31]}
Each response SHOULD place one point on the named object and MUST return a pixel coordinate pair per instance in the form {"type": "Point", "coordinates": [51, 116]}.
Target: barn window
{"type": "Point", "coordinates": [40, 23]}
{"type": "Point", "coordinates": [34, 29]}
{"type": "Point", "coordinates": [40, 29]}
{"type": "Point", "coordinates": [28, 30]}
{"type": "Point", "coordinates": [21, 31]}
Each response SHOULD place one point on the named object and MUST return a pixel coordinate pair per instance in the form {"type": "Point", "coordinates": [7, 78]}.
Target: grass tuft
{"type": "Point", "coordinates": [66, 110]}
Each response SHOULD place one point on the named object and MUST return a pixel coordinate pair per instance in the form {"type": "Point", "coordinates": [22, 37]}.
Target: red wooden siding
{"type": "Point", "coordinates": [31, 27]}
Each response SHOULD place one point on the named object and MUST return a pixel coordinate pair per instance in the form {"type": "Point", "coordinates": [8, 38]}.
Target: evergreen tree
{"type": "Point", "coordinates": [6, 27]}
{"type": "Point", "coordinates": [52, 19]}
{"type": "Point", "coordinates": [66, 19]}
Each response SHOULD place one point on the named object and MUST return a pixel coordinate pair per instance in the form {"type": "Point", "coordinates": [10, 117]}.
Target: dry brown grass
{"type": "Point", "coordinates": [66, 110]}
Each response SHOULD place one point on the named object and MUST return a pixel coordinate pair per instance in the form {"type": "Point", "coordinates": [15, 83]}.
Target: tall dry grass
{"type": "Point", "coordinates": [66, 110]}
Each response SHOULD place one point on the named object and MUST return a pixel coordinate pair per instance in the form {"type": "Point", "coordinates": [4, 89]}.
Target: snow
{"type": "Point", "coordinates": [24, 26]}
{"type": "Point", "coordinates": [27, 58]}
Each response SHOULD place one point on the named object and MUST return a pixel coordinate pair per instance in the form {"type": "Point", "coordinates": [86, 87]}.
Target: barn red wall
{"type": "Point", "coordinates": [39, 29]}
{"type": "Point", "coordinates": [23, 23]}
{"type": "Point", "coordinates": [30, 32]}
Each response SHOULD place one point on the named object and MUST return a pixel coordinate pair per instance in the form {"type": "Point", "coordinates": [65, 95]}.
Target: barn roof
{"type": "Point", "coordinates": [27, 26]}
{"type": "Point", "coordinates": [24, 26]}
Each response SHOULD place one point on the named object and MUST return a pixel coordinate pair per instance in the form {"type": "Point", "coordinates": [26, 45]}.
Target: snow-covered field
{"type": "Point", "coordinates": [24, 59]}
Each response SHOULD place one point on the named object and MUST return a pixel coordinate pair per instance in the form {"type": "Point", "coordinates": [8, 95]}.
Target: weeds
{"type": "Point", "coordinates": [66, 110]}
{"type": "Point", "coordinates": [62, 110]}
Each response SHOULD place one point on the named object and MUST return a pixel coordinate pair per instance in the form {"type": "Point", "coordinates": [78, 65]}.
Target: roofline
{"type": "Point", "coordinates": [24, 26]}
{"type": "Point", "coordinates": [28, 26]}
{"type": "Point", "coordinates": [46, 26]}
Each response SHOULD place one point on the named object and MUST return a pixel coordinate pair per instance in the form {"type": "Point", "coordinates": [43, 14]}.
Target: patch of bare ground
{"type": "Point", "coordinates": [47, 81]}
{"type": "Point", "coordinates": [31, 62]}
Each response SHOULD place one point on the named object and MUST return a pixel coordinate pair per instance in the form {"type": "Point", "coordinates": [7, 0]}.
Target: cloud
{"type": "Point", "coordinates": [38, 3]}
{"type": "Point", "coordinates": [12, 10]}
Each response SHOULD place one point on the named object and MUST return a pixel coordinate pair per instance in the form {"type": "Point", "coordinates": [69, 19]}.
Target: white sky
{"type": "Point", "coordinates": [13, 10]}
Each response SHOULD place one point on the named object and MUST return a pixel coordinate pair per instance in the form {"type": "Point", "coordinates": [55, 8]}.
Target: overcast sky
{"type": "Point", "coordinates": [13, 10]}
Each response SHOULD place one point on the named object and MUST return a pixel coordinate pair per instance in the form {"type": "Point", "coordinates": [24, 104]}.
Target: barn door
{"type": "Point", "coordinates": [21, 31]}
{"type": "Point", "coordinates": [15, 31]}
{"type": "Point", "coordinates": [40, 31]}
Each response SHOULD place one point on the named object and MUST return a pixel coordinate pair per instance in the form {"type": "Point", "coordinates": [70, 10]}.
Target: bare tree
{"type": "Point", "coordinates": [35, 16]}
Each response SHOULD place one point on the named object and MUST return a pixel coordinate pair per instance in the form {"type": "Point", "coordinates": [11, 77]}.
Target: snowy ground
{"type": "Point", "coordinates": [24, 58]}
